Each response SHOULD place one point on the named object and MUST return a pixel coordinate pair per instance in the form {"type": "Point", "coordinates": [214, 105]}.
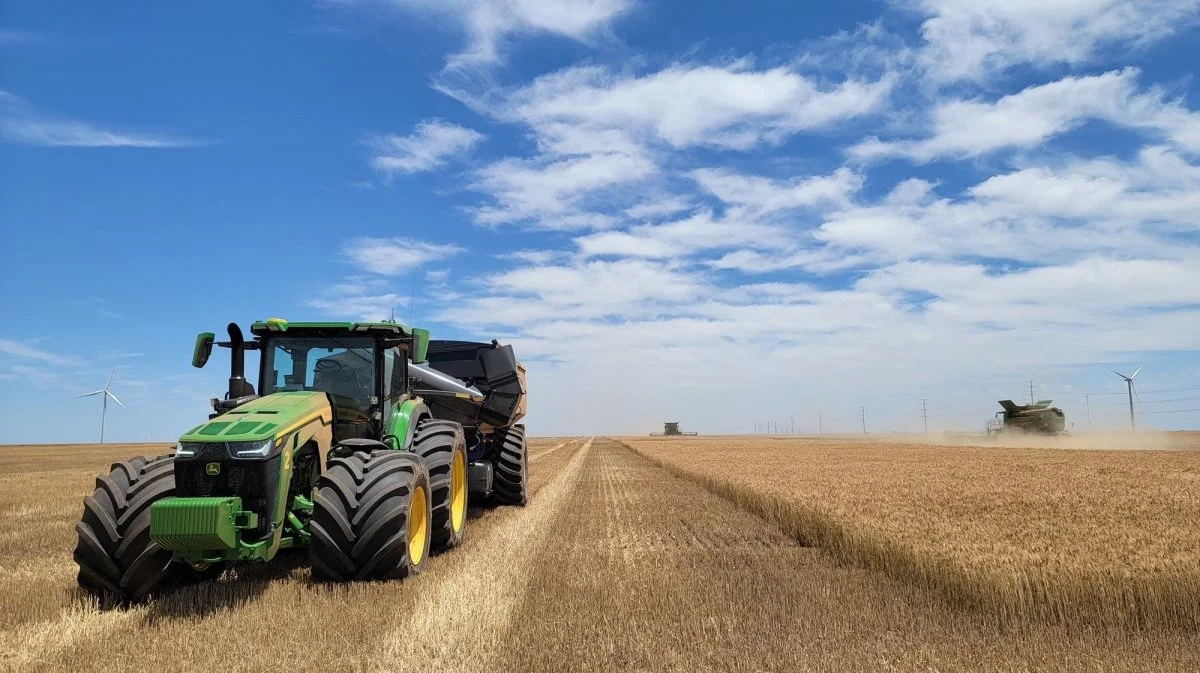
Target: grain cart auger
{"type": "Point", "coordinates": [364, 442]}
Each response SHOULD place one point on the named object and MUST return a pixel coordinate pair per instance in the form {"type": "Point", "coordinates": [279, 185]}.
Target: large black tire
{"type": "Point", "coordinates": [366, 507]}
{"type": "Point", "coordinates": [443, 448]}
{"type": "Point", "coordinates": [510, 482]}
{"type": "Point", "coordinates": [116, 557]}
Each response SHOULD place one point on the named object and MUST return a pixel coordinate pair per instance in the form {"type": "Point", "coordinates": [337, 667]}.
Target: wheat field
{"type": "Point", "coordinates": [1064, 536]}
{"type": "Point", "coordinates": [615, 565]}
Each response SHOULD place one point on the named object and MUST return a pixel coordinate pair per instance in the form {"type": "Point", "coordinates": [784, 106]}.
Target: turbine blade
{"type": "Point", "coordinates": [1134, 376]}
{"type": "Point", "coordinates": [94, 392]}
{"type": "Point", "coordinates": [1135, 392]}
{"type": "Point", "coordinates": [1117, 373]}
{"type": "Point", "coordinates": [114, 398]}
{"type": "Point", "coordinates": [110, 375]}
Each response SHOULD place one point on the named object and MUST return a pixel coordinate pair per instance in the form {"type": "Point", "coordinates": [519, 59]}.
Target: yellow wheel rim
{"type": "Point", "coordinates": [458, 492]}
{"type": "Point", "coordinates": [418, 525]}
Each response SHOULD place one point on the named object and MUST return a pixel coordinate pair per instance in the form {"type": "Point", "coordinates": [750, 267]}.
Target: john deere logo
{"type": "Point", "coordinates": [213, 469]}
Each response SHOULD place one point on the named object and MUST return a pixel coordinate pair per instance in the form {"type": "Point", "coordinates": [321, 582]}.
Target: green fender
{"type": "Point", "coordinates": [403, 424]}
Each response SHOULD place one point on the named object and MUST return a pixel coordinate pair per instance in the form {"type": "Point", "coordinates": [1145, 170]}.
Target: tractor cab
{"type": "Point", "coordinates": [361, 367]}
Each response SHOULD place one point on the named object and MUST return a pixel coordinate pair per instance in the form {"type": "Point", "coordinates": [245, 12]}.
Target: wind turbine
{"type": "Point", "coordinates": [1132, 392]}
{"type": "Point", "coordinates": [105, 394]}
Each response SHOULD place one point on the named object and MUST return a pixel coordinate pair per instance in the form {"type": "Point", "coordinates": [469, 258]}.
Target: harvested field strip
{"type": "Point", "coordinates": [1094, 538]}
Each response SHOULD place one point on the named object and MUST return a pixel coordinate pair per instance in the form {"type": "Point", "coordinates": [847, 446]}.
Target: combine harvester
{"type": "Point", "coordinates": [1039, 418]}
{"type": "Point", "coordinates": [671, 429]}
{"type": "Point", "coordinates": [364, 443]}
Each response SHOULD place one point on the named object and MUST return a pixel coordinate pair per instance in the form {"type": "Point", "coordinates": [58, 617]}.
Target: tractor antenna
{"type": "Point", "coordinates": [412, 300]}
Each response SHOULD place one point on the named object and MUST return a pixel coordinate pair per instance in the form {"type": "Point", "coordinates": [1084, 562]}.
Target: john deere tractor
{"type": "Point", "coordinates": [363, 442]}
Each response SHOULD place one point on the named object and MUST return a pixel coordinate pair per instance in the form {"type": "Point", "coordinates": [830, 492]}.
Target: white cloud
{"type": "Point", "coordinates": [539, 257]}
{"type": "Point", "coordinates": [550, 192]}
{"type": "Point", "coordinates": [680, 238]}
{"type": "Point", "coordinates": [732, 106]}
{"type": "Point", "coordinates": [489, 23]}
{"type": "Point", "coordinates": [1027, 119]}
{"type": "Point", "coordinates": [601, 135]}
{"type": "Point", "coordinates": [658, 206]}
{"type": "Point", "coordinates": [764, 195]}
{"type": "Point", "coordinates": [20, 350]}
{"type": "Point", "coordinates": [393, 256]}
{"type": "Point", "coordinates": [431, 143]}
{"type": "Point", "coordinates": [976, 39]}
{"type": "Point", "coordinates": [587, 290]}
{"type": "Point", "coordinates": [21, 123]}
{"type": "Point", "coordinates": [39, 377]}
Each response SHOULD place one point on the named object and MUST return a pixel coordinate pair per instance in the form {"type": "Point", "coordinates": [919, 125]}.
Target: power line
{"type": "Point", "coordinates": [1143, 392]}
{"type": "Point", "coordinates": [1169, 411]}
{"type": "Point", "coordinates": [1174, 399]}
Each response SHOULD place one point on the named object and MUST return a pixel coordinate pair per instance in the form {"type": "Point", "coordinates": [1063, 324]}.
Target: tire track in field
{"type": "Point", "coordinates": [545, 452]}
{"type": "Point", "coordinates": [473, 602]}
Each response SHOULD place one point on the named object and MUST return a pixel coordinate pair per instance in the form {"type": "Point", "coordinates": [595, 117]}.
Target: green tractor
{"type": "Point", "coordinates": [364, 443]}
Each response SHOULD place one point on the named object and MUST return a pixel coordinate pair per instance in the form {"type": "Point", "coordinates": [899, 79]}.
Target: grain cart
{"type": "Point", "coordinates": [363, 442]}
{"type": "Point", "coordinates": [1038, 418]}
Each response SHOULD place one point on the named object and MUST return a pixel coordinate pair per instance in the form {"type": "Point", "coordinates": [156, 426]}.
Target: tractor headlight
{"type": "Point", "coordinates": [250, 449]}
{"type": "Point", "coordinates": [187, 449]}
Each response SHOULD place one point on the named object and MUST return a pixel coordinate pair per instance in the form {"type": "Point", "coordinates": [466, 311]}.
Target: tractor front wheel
{"type": "Point", "coordinates": [371, 518]}
{"type": "Point", "coordinates": [115, 554]}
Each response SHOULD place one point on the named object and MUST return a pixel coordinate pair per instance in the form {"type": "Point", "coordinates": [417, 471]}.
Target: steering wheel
{"type": "Point", "coordinates": [328, 366]}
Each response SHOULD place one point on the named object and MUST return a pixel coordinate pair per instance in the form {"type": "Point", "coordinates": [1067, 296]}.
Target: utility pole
{"type": "Point", "coordinates": [1031, 400]}
{"type": "Point", "coordinates": [863, 411]}
{"type": "Point", "coordinates": [925, 415]}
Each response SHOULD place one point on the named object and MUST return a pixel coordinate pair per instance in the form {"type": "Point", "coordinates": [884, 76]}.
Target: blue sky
{"type": "Point", "coordinates": [718, 214]}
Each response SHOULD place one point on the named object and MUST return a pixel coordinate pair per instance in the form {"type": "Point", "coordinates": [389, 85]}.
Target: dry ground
{"type": "Point", "coordinates": [614, 565]}
{"type": "Point", "coordinates": [1068, 536]}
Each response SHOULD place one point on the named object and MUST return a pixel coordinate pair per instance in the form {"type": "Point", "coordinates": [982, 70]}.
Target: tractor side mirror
{"type": "Point", "coordinates": [204, 344]}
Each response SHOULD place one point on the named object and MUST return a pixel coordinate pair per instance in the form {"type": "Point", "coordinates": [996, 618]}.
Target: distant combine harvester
{"type": "Point", "coordinates": [671, 429]}
{"type": "Point", "coordinates": [1039, 418]}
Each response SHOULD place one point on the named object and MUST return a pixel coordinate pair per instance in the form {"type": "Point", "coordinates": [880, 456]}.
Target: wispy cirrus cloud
{"type": "Point", "coordinates": [981, 38]}
{"type": "Point", "coordinates": [489, 24]}
{"type": "Point", "coordinates": [392, 256]}
{"type": "Point", "coordinates": [963, 129]}
{"type": "Point", "coordinates": [22, 123]}
{"type": "Point", "coordinates": [28, 352]}
{"type": "Point", "coordinates": [431, 144]}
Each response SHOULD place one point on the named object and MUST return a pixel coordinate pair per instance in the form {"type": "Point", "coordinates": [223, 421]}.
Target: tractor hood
{"type": "Point", "coordinates": [274, 415]}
